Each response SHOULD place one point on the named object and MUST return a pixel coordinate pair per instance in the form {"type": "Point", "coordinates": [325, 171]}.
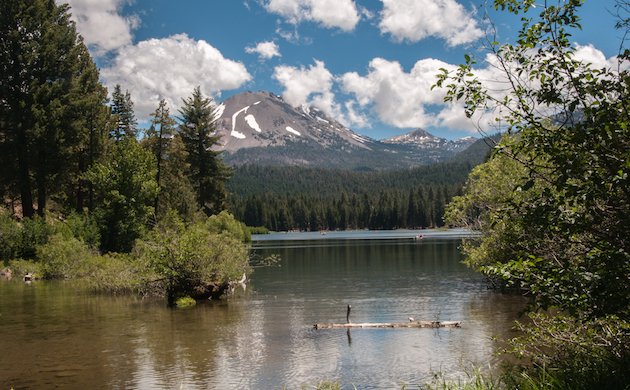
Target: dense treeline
{"type": "Point", "coordinates": [76, 180]}
{"type": "Point", "coordinates": [297, 198]}
{"type": "Point", "coordinates": [345, 200]}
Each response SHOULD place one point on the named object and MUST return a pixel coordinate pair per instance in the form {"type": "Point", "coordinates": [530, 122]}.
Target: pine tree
{"type": "Point", "coordinates": [207, 171]}
{"type": "Point", "coordinates": [41, 58]}
{"type": "Point", "coordinates": [158, 138]}
{"type": "Point", "coordinates": [122, 110]}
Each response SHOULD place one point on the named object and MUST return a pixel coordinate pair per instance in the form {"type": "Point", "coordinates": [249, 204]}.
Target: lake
{"type": "Point", "coordinates": [57, 335]}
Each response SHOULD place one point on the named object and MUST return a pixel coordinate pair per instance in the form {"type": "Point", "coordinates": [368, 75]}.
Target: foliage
{"type": "Point", "coordinates": [185, 302]}
{"type": "Point", "coordinates": [35, 231]}
{"type": "Point", "coordinates": [21, 267]}
{"type": "Point", "coordinates": [63, 258]}
{"type": "Point", "coordinates": [187, 260]}
{"type": "Point", "coordinates": [159, 138]}
{"type": "Point", "coordinates": [224, 223]}
{"type": "Point", "coordinates": [176, 191]}
{"type": "Point", "coordinates": [577, 252]}
{"type": "Point", "coordinates": [475, 379]}
{"type": "Point", "coordinates": [117, 273]}
{"type": "Point", "coordinates": [84, 228]}
{"type": "Point", "coordinates": [562, 232]}
{"type": "Point", "coordinates": [207, 172]}
{"type": "Point", "coordinates": [10, 237]}
{"type": "Point", "coordinates": [122, 112]}
{"type": "Point", "coordinates": [258, 230]}
{"type": "Point", "coordinates": [576, 354]}
{"type": "Point", "coordinates": [285, 198]}
{"type": "Point", "coordinates": [126, 189]}
{"type": "Point", "coordinates": [47, 82]}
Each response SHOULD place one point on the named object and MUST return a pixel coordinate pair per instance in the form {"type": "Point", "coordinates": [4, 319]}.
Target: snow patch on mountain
{"type": "Point", "coordinates": [292, 130]}
{"type": "Point", "coordinates": [251, 121]}
{"type": "Point", "coordinates": [234, 133]}
{"type": "Point", "coordinates": [219, 111]}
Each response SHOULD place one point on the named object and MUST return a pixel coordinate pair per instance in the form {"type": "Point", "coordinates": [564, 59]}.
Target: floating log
{"type": "Point", "coordinates": [410, 324]}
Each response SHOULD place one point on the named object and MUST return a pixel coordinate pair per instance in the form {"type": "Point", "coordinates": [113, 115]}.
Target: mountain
{"type": "Point", "coordinates": [261, 128]}
{"type": "Point", "coordinates": [422, 139]}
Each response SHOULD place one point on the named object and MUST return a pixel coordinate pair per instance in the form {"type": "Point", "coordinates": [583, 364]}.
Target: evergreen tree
{"type": "Point", "coordinates": [126, 189]}
{"type": "Point", "coordinates": [91, 119]}
{"type": "Point", "coordinates": [122, 110]}
{"type": "Point", "coordinates": [158, 138]}
{"type": "Point", "coordinates": [41, 58]}
{"type": "Point", "coordinates": [207, 171]}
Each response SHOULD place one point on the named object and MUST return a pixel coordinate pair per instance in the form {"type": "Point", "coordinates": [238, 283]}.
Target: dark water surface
{"type": "Point", "coordinates": [53, 334]}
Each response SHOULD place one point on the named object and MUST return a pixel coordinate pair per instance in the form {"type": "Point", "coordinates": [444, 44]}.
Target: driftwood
{"type": "Point", "coordinates": [410, 324]}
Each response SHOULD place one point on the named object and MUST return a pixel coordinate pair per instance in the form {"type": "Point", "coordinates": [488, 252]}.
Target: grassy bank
{"type": "Point", "coordinates": [174, 259]}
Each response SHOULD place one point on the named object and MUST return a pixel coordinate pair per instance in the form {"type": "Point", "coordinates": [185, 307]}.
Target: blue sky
{"type": "Point", "coordinates": [367, 63]}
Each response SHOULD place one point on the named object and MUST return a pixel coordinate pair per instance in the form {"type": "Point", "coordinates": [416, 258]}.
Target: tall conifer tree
{"type": "Point", "coordinates": [122, 110]}
{"type": "Point", "coordinates": [207, 171]}
{"type": "Point", "coordinates": [41, 59]}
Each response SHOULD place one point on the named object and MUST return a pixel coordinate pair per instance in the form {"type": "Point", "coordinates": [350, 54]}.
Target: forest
{"type": "Point", "coordinates": [297, 198]}
{"type": "Point", "coordinates": [86, 192]}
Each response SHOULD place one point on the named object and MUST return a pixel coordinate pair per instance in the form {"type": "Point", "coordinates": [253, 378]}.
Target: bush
{"type": "Point", "coordinates": [63, 258]}
{"type": "Point", "coordinates": [21, 267]}
{"type": "Point", "coordinates": [117, 273]}
{"type": "Point", "coordinates": [225, 223]}
{"type": "Point", "coordinates": [572, 353]}
{"type": "Point", "coordinates": [10, 237]}
{"type": "Point", "coordinates": [84, 227]}
{"type": "Point", "coordinates": [35, 232]}
{"type": "Point", "coordinates": [184, 302]}
{"type": "Point", "coordinates": [258, 230]}
{"type": "Point", "coordinates": [189, 260]}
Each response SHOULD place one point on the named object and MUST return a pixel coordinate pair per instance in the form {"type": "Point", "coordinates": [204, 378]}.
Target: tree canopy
{"type": "Point", "coordinates": [553, 203]}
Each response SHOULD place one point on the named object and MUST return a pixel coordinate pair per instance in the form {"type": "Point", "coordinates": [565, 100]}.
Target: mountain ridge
{"type": "Point", "coordinates": [261, 128]}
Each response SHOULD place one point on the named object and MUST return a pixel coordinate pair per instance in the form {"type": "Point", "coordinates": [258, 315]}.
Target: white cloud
{"type": "Point", "coordinates": [397, 97]}
{"type": "Point", "coordinates": [590, 54]}
{"type": "Point", "coordinates": [101, 25]}
{"type": "Point", "coordinates": [171, 68]}
{"type": "Point", "coordinates": [313, 86]}
{"type": "Point", "coordinates": [300, 83]}
{"type": "Point", "coordinates": [265, 50]}
{"type": "Point", "coordinates": [342, 14]}
{"type": "Point", "coordinates": [414, 20]}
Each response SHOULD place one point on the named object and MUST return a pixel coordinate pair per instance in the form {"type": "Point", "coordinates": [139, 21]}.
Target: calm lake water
{"type": "Point", "coordinates": [56, 335]}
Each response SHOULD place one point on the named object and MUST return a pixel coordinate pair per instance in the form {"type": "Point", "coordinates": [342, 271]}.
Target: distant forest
{"type": "Point", "coordinates": [298, 198]}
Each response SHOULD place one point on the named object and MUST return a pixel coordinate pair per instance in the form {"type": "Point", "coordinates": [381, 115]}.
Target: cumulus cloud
{"type": "Point", "coordinates": [171, 68]}
{"type": "Point", "coordinates": [313, 86]}
{"type": "Point", "coordinates": [342, 14]}
{"type": "Point", "coordinates": [397, 97]}
{"type": "Point", "coordinates": [101, 25]}
{"type": "Point", "coordinates": [265, 50]}
{"type": "Point", "coordinates": [300, 83]}
{"type": "Point", "coordinates": [414, 20]}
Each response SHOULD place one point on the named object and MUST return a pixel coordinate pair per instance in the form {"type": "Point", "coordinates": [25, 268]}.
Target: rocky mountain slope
{"type": "Point", "coordinates": [261, 128]}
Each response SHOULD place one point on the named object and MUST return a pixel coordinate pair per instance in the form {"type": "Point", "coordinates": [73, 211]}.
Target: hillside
{"type": "Point", "coordinates": [261, 128]}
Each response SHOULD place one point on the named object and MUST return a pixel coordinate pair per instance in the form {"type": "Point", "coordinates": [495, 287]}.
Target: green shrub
{"type": "Point", "coordinates": [21, 267]}
{"type": "Point", "coordinates": [83, 227]}
{"type": "Point", "coordinates": [63, 257]}
{"type": "Point", "coordinates": [189, 259]}
{"type": "Point", "coordinates": [572, 353]}
{"type": "Point", "coordinates": [258, 230]}
{"type": "Point", "coordinates": [184, 302]}
{"type": "Point", "coordinates": [117, 273]}
{"type": "Point", "coordinates": [35, 232]}
{"type": "Point", "coordinates": [10, 237]}
{"type": "Point", "coordinates": [225, 223]}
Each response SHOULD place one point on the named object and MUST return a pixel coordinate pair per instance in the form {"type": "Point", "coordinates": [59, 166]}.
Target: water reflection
{"type": "Point", "coordinates": [56, 335]}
